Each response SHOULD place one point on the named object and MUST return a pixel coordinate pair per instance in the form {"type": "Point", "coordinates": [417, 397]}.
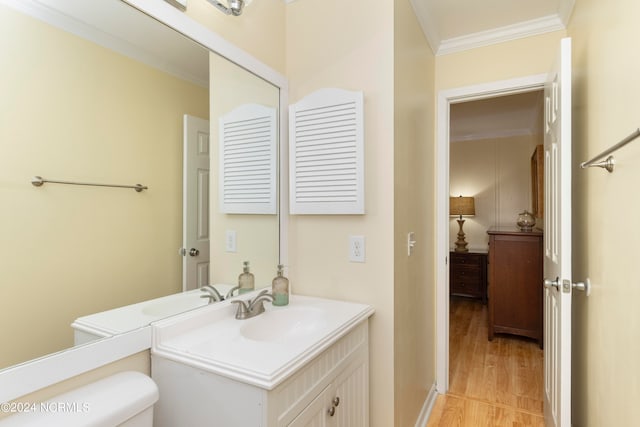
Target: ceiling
{"type": "Point", "coordinates": [500, 117]}
{"type": "Point", "coordinates": [455, 25]}
{"type": "Point", "coordinates": [117, 26]}
{"type": "Point", "coordinates": [450, 26]}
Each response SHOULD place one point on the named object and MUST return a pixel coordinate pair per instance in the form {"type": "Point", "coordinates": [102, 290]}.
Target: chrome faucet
{"type": "Point", "coordinates": [211, 293]}
{"type": "Point", "coordinates": [230, 293]}
{"type": "Point", "coordinates": [251, 308]}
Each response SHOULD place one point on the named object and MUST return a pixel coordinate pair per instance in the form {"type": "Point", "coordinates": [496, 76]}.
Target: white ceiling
{"type": "Point", "coordinates": [454, 25]}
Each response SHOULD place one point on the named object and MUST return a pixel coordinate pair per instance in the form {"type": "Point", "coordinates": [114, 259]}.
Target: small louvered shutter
{"type": "Point", "coordinates": [248, 153]}
{"type": "Point", "coordinates": [326, 153]}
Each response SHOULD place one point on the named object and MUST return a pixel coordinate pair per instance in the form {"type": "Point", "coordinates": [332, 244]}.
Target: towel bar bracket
{"type": "Point", "coordinates": [607, 164]}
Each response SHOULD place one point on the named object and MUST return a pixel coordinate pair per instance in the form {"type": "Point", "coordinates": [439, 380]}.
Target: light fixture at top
{"type": "Point", "coordinates": [233, 7]}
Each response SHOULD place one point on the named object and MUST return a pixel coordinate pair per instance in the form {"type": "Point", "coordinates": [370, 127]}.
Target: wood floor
{"type": "Point", "coordinates": [491, 383]}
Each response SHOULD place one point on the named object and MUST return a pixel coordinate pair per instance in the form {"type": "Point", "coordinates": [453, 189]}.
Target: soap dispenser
{"type": "Point", "coordinates": [280, 288]}
{"type": "Point", "coordinates": [246, 281]}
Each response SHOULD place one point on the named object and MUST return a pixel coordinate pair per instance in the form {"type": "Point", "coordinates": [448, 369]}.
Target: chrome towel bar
{"type": "Point", "coordinates": [37, 181]}
{"type": "Point", "coordinates": [609, 162]}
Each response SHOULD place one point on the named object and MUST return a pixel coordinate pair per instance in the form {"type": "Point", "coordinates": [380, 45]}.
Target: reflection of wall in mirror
{"type": "Point", "coordinates": [69, 251]}
{"type": "Point", "coordinates": [256, 235]}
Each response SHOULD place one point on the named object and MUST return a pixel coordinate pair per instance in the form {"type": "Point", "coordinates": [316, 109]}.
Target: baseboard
{"type": "Point", "coordinates": [427, 407]}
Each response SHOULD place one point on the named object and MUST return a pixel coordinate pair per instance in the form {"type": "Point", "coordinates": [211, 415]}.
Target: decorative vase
{"type": "Point", "coordinates": [526, 221]}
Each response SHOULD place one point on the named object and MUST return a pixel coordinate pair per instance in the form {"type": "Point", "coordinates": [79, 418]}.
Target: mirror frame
{"type": "Point", "coordinates": [79, 360]}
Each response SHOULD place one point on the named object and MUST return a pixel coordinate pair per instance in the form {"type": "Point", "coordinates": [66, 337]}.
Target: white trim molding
{"type": "Point", "coordinates": [445, 99]}
{"type": "Point", "coordinates": [427, 407]}
{"type": "Point", "coordinates": [507, 33]}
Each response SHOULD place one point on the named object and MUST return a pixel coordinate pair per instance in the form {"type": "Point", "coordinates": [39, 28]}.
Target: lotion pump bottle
{"type": "Point", "coordinates": [246, 281]}
{"type": "Point", "coordinates": [280, 288]}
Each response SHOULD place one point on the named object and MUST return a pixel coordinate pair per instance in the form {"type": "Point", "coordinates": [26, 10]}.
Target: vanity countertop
{"type": "Point", "coordinates": [124, 319]}
{"type": "Point", "coordinates": [263, 350]}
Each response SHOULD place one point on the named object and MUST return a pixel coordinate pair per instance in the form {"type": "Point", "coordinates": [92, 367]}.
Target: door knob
{"type": "Point", "coordinates": [194, 252]}
{"type": "Point", "coordinates": [552, 283]}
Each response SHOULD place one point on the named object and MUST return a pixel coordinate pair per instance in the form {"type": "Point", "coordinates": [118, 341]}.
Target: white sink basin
{"type": "Point", "coordinates": [261, 350]}
{"type": "Point", "coordinates": [279, 326]}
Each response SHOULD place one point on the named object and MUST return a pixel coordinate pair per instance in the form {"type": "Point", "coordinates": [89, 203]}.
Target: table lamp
{"type": "Point", "coordinates": [461, 206]}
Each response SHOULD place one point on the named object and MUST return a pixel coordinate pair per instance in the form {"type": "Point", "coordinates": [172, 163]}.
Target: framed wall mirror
{"type": "Point", "coordinates": [97, 92]}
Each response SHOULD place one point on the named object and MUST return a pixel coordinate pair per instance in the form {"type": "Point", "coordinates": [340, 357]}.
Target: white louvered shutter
{"type": "Point", "coordinates": [326, 153]}
{"type": "Point", "coordinates": [248, 154]}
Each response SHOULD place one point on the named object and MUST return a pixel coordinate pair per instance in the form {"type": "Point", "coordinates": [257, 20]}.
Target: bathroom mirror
{"type": "Point", "coordinates": [73, 109]}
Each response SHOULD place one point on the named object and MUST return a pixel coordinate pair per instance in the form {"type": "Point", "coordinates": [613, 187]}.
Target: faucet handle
{"type": "Point", "coordinates": [243, 309]}
{"type": "Point", "coordinates": [230, 293]}
{"type": "Point", "coordinates": [264, 292]}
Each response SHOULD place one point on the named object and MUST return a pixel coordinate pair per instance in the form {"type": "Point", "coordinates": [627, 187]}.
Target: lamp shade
{"type": "Point", "coordinates": [462, 206]}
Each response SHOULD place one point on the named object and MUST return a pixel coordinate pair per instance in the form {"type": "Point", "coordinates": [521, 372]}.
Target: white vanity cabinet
{"type": "Point", "coordinates": [330, 389]}
{"type": "Point", "coordinates": [343, 403]}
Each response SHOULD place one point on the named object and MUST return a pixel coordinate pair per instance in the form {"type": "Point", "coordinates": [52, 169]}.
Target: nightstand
{"type": "Point", "coordinates": [468, 275]}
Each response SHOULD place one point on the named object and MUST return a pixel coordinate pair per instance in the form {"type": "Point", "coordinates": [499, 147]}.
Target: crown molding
{"type": "Point", "coordinates": [430, 28]}
{"type": "Point", "coordinates": [507, 133]}
{"type": "Point", "coordinates": [530, 28]}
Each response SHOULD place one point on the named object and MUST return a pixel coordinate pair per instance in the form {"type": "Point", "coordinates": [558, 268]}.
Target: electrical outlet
{"type": "Point", "coordinates": [356, 249]}
{"type": "Point", "coordinates": [230, 242]}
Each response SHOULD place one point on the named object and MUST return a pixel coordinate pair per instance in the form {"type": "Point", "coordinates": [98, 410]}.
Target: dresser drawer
{"type": "Point", "coordinates": [466, 288]}
{"type": "Point", "coordinates": [468, 275]}
{"type": "Point", "coordinates": [466, 270]}
{"type": "Point", "coordinates": [467, 259]}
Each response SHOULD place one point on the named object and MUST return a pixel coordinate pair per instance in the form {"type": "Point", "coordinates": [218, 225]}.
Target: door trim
{"type": "Point", "coordinates": [445, 99]}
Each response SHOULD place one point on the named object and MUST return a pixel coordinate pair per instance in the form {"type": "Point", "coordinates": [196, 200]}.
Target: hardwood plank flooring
{"type": "Point", "coordinates": [491, 383]}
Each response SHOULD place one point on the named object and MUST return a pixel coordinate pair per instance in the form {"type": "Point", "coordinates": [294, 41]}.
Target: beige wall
{"type": "Point", "coordinates": [331, 43]}
{"type": "Point", "coordinates": [71, 110]}
{"type": "Point", "coordinates": [260, 30]}
{"type": "Point", "coordinates": [517, 58]}
{"type": "Point", "coordinates": [414, 291]}
{"type": "Point", "coordinates": [257, 235]}
{"type": "Point", "coordinates": [497, 173]}
{"type": "Point", "coordinates": [606, 325]}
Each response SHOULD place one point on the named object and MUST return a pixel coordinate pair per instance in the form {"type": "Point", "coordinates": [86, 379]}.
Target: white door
{"type": "Point", "coordinates": [557, 238]}
{"type": "Point", "coordinates": [195, 215]}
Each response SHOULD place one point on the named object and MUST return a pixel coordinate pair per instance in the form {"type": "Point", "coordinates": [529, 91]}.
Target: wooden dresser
{"type": "Point", "coordinates": [468, 275]}
{"type": "Point", "coordinates": [515, 282]}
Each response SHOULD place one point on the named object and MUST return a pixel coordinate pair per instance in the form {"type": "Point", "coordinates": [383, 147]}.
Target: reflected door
{"type": "Point", "coordinates": [195, 233]}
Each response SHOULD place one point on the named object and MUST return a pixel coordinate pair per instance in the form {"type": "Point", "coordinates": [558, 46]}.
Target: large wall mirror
{"type": "Point", "coordinates": [73, 108]}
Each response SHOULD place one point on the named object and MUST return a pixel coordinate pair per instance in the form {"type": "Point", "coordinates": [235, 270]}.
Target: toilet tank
{"type": "Point", "coordinates": [124, 399]}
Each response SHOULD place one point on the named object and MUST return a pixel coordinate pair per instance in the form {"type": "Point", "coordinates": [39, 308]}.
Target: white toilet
{"type": "Point", "coordinates": [124, 399]}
